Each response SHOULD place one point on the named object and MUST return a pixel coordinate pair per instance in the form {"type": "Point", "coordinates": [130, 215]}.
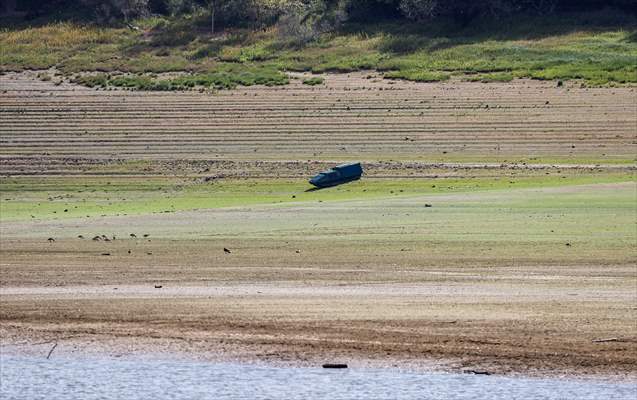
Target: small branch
{"type": "Point", "coordinates": [614, 339]}
{"type": "Point", "coordinates": [476, 372]}
{"type": "Point", "coordinates": [51, 351]}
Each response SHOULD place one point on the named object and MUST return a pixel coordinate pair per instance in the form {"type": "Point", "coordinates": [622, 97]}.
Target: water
{"type": "Point", "coordinates": [33, 378]}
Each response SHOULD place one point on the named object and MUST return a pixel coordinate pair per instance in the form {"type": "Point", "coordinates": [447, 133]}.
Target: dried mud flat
{"type": "Point", "coordinates": [260, 131]}
{"type": "Point", "coordinates": [537, 281]}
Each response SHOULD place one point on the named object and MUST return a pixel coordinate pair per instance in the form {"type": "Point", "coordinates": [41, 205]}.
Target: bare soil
{"type": "Point", "coordinates": [268, 131]}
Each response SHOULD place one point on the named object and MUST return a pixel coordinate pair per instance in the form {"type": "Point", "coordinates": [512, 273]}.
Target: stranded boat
{"type": "Point", "coordinates": [338, 175]}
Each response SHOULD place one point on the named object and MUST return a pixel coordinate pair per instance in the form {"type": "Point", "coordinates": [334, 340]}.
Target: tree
{"type": "Point", "coordinates": [8, 7]}
{"type": "Point", "coordinates": [419, 9]}
{"type": "Point", "coordinates": [212, 4]}
{"type": "Point", "coordinates": [113, 10]}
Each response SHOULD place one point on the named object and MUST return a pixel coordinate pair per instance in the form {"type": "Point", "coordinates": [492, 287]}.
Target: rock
{"type": "Point", "coordinates": [158, 286]}
{"type": "Point", "coordinates": [428, 205]}
{"type": "Point", "coordinates": [51, 240]}
{"type": "Point", "coordinates": [225, 250]}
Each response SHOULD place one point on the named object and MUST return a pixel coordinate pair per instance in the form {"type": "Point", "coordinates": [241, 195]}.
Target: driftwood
{"type": "Point", "coordinates": [614, 339]}
{"type": "Point", "coordinates": [336, 366]}
{"type": "Point", "coordinates": [475, 372]}
{"type": "Point", "coordinates": [51, 351]}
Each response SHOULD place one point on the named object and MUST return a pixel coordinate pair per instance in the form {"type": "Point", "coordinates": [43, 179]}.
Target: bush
{"type": "Point", "coordinates": [99, 80]}
{"type": "Point", "coordinates": [313, 81]}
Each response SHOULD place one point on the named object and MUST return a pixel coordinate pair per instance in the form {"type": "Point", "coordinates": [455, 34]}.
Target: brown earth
{"type": "Point", "coordinates": [257, 131]}
{"type": "Point", "coordinates": [290, 303]}
{"type": "Point", "coordinates": [412, 289]}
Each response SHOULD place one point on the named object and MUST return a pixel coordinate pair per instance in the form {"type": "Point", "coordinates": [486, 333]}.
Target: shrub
{"type": "Point", "coordinates": [313, 81]}
{"type": "Point", "coordinates": [99, 80]}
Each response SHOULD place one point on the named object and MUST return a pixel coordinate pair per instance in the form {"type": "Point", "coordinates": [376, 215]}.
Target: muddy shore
{"type": "Point", "coordinates": [535, 281]}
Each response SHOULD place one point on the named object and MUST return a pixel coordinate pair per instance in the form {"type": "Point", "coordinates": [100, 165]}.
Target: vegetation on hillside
{"type": "Point", "coordinates": [258, 41]}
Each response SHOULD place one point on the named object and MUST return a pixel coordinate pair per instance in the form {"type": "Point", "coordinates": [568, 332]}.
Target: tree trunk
{"type": "Point", "coordinates": [212, 17]}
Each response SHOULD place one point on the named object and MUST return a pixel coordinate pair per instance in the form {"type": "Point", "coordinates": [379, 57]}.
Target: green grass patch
{"type": "Point", "coordinates": [51, 198]}
{"type": "Point", "coordinates": [492, 77]}
{"type": "Point", "coordinates": [313, 81]}
{"type": "Point", "coordinates": [418, 75]}
{"type": "Point", "coordinates": [227, 78]}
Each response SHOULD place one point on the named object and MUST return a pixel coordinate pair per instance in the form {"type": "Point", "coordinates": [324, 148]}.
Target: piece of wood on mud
{"type": "Point", "coordinates": [605, 340]}
{"type": "Point", "coordinates": [51, 351]}
{"type": "Point", "coordinates": [334, 365]}
{"type": "Point", "coordinates": [476, 372]}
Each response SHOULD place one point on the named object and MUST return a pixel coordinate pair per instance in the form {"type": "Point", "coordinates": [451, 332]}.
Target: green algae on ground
{"type": "Point", "coordinates": [27, 198]}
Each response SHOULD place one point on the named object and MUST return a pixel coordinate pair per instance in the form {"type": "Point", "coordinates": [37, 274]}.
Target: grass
{"type": "Point", "coordinates": [57, 198]}
{"type": "Point", "coordinates": [491, 77]}
{"type": "Point", "coordinates": [598, 49]}
{"type": "Point", "coordinates": [418, 75]}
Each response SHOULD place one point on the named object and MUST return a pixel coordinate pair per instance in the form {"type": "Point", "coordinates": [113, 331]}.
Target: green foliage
{"type": "Point", "coordinates": [99, 80]}
{"type": "Point", "coordinates": [227, 77]}
{"type": "Point", "coordinates": [245, 54]}
{"type": "Point", "coordinates": [313, 81]}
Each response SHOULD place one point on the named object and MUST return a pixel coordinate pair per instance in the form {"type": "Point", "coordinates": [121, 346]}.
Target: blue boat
{"type": "Point", "coordinates": [338, 175]}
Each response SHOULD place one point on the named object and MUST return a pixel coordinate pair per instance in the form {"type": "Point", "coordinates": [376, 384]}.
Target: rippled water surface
{"type": "Point", "coordinates": [112, 378]}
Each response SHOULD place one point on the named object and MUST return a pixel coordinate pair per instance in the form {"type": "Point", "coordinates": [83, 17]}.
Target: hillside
{"type": "Point", "coordinates": [176, 53]}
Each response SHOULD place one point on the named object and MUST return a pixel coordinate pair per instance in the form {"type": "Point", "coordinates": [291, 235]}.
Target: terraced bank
{"type": "Point", "coordinates": [67, 129]}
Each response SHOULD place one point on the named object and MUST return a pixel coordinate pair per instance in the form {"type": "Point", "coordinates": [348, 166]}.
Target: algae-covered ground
{"type": "Point", "coordinates": [40, 198]}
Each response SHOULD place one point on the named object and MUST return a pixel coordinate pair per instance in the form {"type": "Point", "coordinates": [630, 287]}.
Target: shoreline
{"type": "Point", "coordinates": [101, 346]}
